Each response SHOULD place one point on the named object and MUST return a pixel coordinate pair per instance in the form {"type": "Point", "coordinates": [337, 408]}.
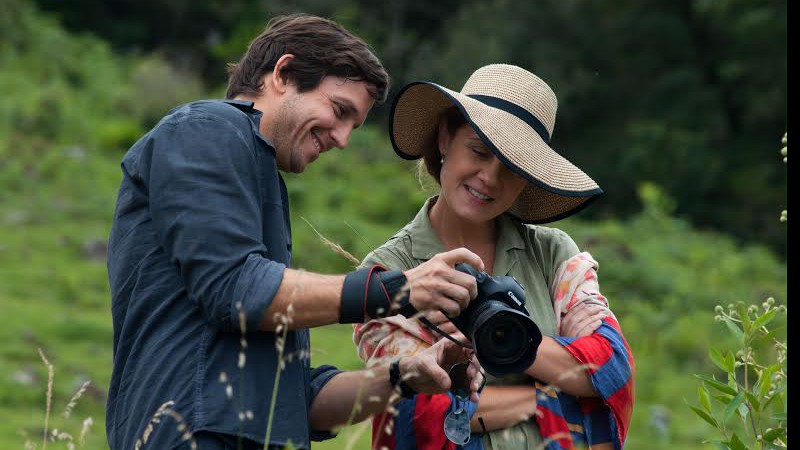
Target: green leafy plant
{"type": "Point", "coordinates": [754, 392]}
{"type": "Point", "coordinates": [748, 407]}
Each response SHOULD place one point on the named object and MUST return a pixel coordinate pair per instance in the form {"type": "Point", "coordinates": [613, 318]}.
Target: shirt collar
{"type": "Point", "coordinates": [510, 240]}
{"type": "Point", "coordinates": [425, 243]}
{"type": "Point", "coordinates": [246, 106]}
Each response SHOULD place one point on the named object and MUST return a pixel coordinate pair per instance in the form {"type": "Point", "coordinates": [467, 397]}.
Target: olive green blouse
{"type": "Point", "coordinates": [529, 253]}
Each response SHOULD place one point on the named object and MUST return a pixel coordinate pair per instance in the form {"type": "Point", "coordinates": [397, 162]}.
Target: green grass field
{"type": "Point", "coordinates": [54, 293]}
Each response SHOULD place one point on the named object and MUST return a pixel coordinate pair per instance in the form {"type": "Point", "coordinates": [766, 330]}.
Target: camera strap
{"type": "Point", "coordinates": [374, 292]}
{"type": "Point", "coordinates": [363, 296]}
{"type": "Point", "coordinates": [438, 330]}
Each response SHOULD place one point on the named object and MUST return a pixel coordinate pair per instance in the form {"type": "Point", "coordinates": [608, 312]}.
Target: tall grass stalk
{"type": "Point", "coordinates": [50, 376]}
{"type": "Point", "coordinates": [360, 429]}
{"type": "Point", "coordinates": [334, 246]}
{"type": "Point", "coordinates": [282, 331]}
{"type": "Point", "coordinates": [74, 400]}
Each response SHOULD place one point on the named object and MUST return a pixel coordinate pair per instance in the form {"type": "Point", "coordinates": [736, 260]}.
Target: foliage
{"type": "Point", "coordinates": [71, 106]}
{"type": "Point", "coordinates": [683, 93]}
{"type": "Point", "coordinates": [72, 91]}
{"type": "Point", "coordinates": [754, 389]}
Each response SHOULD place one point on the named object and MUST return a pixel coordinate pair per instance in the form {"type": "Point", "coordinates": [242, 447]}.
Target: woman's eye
{"type": "Point", "coordinates": [480, 153]}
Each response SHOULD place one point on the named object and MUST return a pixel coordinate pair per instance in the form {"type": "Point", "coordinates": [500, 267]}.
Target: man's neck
{"type": "Point", "coordinates": [261, 104]}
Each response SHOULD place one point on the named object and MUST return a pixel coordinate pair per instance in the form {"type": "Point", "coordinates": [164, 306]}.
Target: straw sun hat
{"type": "Point", "coordinates": [513, 112]}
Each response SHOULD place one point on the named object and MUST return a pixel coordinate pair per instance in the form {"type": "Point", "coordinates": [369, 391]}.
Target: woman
{"type": "Point", "coordinates": [488, 148]}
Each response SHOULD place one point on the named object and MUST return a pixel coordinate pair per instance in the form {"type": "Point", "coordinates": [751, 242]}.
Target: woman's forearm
{"type": "Point", "coordinates": [504, 406]}
{"type": "Point", "coordinates": [556, 366]}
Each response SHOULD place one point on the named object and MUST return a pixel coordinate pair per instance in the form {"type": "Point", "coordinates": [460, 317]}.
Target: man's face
{"type": "Point", "coordinates": [310, 123]}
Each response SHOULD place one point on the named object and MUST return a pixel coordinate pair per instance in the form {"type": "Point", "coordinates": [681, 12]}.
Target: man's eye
{"type": "Point", "coordinates": [338, 111]}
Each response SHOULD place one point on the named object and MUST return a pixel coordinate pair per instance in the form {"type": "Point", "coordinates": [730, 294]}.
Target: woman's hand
{"type": "Point", "coordinates": [582, 320]}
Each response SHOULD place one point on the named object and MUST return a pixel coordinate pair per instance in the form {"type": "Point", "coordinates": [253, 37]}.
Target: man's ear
{"type": "Point", "coordinates": [278, 81]}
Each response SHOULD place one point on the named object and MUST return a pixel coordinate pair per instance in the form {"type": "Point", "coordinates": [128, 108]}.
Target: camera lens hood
{"type": "Point", "coordinates": [506, 341]}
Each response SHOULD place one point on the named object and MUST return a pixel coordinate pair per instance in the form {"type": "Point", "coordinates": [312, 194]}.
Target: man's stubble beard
{"type": "Point", "coordinates": [286, 120]}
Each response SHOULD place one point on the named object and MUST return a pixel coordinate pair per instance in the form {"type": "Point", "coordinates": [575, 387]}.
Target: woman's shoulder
{"type": "Point", "coordinates": [394, 254]}
{"type": "Point", "coordinates": [546, 235]}
{"type": "Point", "coordinates": [550, 243]}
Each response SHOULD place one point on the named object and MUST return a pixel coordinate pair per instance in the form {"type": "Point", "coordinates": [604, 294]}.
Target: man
{"type": "Point", "coordinates": [199, 254]}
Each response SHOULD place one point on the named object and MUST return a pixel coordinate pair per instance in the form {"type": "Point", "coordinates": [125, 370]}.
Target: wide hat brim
{"type": "Point", "coordinates": [556, 188]}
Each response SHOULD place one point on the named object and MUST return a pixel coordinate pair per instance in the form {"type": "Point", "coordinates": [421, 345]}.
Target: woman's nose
{"type": "Point", "coordinates": [491, 173]}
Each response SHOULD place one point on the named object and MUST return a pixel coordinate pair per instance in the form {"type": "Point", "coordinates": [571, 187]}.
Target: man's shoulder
{"type": "Point", "coordinates": [236, 113]}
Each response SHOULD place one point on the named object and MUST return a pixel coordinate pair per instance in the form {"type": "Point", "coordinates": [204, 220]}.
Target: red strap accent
{"type": "Point", "coordinates": [366, 285]}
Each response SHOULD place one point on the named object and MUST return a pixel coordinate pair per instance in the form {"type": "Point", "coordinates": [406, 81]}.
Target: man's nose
{"type": "Point", "coordinates": [341, 135]}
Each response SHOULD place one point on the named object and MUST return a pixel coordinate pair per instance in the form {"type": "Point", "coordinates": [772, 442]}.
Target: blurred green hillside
{"type": "Point", "coordinates": [71, 106]}
{"type": "Point", "coordinates": [690, 94]}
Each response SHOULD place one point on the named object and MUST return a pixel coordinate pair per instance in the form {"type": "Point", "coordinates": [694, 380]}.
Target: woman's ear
{"type": "Point", "coordinates": [444, 137]}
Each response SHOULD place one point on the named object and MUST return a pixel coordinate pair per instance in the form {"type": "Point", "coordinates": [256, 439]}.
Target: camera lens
{"type": "Point", "coordinates": [505, 340]}
{"type": "Point", "coordinates": [504, 337]}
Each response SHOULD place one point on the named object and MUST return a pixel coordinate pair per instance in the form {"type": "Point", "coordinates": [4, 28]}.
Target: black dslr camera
{"type": "Point", "coordinates": [504, 335]}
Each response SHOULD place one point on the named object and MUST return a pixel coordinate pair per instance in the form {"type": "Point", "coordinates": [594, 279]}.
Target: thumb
{"type": "Point", "coordinates": [437, 375]}
{"type": "Point", "coordinates": [464, 255]}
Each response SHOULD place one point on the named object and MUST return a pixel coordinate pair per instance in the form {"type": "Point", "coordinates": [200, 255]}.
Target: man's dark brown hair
{"type": "Point", "coordinates": [321, 47]}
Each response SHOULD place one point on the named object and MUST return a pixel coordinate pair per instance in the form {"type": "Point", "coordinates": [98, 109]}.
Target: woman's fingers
{"type": "Point", "coordinates": [582, 320]}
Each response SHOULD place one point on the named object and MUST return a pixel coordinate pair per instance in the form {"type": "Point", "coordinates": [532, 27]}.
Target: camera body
{"type": "Point", "coordinates": [504, 335]}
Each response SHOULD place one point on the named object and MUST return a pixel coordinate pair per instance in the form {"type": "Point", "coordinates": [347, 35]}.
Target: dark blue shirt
{"type": "Point", "coordinates": [201, 231]}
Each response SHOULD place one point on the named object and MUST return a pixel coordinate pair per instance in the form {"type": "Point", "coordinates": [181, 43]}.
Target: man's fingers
{"type": "Point", "coordinates": [457, 293]}
{"type": "Point", "coordinates": [465, 281]}
{"type": "Point", "coordinates": [463, 255]}
{"type": "Point", "coordinates": [449, 306]}
{"type": "Point", "coordinates": [436, 317]}
{"type": "Point", "coordinates": [436, 376]}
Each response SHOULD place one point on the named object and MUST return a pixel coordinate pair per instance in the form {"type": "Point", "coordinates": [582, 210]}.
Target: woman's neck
{"type": "Point", "coordinates": [454, 232]}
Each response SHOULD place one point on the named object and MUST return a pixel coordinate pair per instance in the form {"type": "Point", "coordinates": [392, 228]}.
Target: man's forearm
{"type": "Point", "coordinates": [308, 299]}
{"type": "Point", "coordinates": [367, 391]}
{"type": "Point", "coordinates": [555, 365]}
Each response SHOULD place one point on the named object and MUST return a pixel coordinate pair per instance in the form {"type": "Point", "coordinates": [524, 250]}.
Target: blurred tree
{"type": "Point", "coordinates": [682, 93]}
{"type": "Point", "coordinates": [184, 31]}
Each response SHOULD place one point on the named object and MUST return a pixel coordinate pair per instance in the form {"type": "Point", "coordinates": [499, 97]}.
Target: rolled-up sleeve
{"type": "Point", "coordinates": [206, 210]}
{"type": "Point", "coordinates": [320, 376]}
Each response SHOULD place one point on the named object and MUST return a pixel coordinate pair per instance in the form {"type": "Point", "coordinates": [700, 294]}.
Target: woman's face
{"type": "Point", "coordinates": [476, 186]}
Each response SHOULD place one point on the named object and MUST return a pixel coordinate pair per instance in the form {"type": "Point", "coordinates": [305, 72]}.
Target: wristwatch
{"type": "Point", "coordinates": [406, 391]}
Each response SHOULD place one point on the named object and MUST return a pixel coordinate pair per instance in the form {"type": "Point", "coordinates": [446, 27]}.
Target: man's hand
{"type": "Point", "coordinates": [427, 371]}
{"type": "Point", "coordinates": [443, 323]}
{"type": "Point", "coordinates": [583, 320]}
{"type": "Point", "coordinates": [437, 285]}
